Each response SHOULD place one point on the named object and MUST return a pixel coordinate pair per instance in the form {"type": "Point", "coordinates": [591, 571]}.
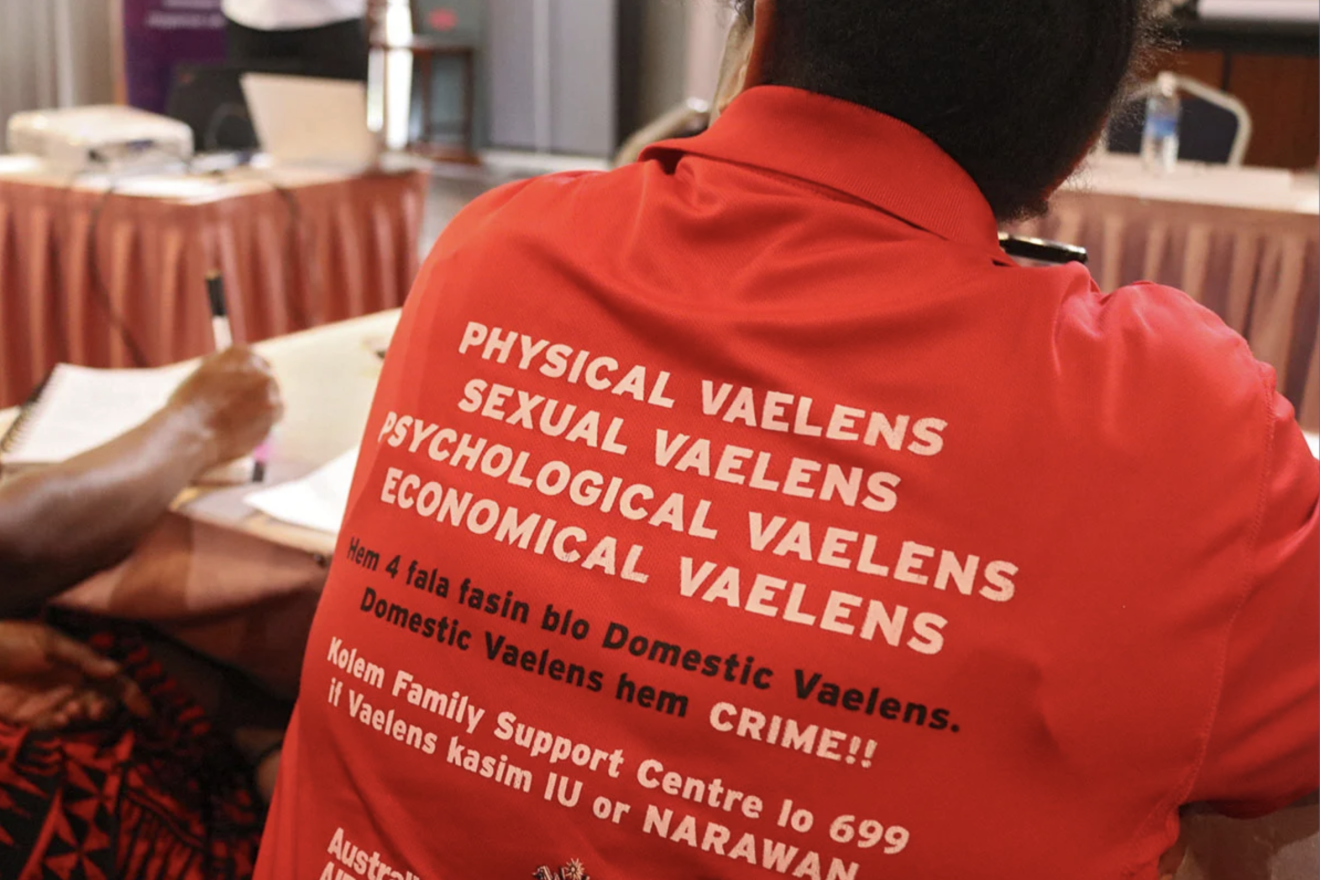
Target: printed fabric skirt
{"type": "Point", "coordinates": [162, 799]}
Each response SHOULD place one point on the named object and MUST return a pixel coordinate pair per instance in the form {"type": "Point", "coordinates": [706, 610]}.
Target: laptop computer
{"type": "Point", "coordinates": [310, 121]}
{"type": "Point", "coordinates": [209, 98]}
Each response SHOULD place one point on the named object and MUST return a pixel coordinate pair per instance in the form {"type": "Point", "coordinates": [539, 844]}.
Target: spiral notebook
{"type": "Point", "coordinates": [80, 408]}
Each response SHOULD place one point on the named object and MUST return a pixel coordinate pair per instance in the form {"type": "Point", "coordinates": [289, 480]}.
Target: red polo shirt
{"type": "Point", "coordinates": [746, 512]}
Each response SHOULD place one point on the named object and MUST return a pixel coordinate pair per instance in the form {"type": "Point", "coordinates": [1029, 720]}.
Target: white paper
{"type": "Point", "coordinates": [1313, 441]}
{"type": "Point", "coordinates": [317, 501]}
{"type": "Point", "coordinates": [20, 164]}
{"type": "Point", "coordinates": [83, 408]}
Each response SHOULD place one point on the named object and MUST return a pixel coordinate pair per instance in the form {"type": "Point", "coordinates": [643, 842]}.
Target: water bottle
{"type": "Point", "coordinates": [1159, 140]}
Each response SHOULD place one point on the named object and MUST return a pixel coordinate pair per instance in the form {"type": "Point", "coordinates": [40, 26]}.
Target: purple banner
{"type": "Point", "coordinates": [161, 34]}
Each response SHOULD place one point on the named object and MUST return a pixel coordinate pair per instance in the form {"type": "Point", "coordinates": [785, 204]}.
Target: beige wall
{"type": "Point", "coordinates": [93, 70]}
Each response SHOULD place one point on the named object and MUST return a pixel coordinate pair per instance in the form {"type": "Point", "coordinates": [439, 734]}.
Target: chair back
{"type": "Point", "coordinates": [1215, 126]}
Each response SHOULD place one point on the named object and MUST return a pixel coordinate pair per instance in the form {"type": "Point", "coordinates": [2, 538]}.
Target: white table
{"type": "Point", "coordinates": [198, 184]}
{"type": "Point", "coordinates": [1197, 183]}
{"type": "Point", "coordinates": [328, 378]}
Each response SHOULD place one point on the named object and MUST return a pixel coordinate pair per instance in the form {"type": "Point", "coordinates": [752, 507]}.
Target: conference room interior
{"type": "Point", "coordinates": [161, 199]}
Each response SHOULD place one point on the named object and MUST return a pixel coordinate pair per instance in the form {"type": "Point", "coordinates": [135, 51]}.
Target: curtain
{"type": "Point", "coordinates": [54, 53]}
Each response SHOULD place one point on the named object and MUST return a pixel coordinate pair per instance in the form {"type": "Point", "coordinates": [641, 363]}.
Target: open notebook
{"type": "Point", "coordinates": [80, 408]}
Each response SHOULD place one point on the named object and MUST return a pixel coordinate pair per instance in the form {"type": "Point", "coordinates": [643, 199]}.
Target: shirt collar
{"type": "Point", "coordinates": [852, 149]}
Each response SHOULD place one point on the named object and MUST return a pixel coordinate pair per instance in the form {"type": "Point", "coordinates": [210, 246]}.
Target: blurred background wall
{"type": "Point", "coordinates": [54, 52]}
{"type": "Point", "coordinates": [576, 76]}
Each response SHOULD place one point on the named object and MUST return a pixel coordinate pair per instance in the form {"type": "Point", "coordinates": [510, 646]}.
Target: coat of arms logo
{"type": "Point", "coordinates": [572, 871]}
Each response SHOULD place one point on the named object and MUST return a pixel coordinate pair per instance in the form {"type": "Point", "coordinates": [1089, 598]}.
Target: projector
{"type": "Point", "coordinates": [103, 138]}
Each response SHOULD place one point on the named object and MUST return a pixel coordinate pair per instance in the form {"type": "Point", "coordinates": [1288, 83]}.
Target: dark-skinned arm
{"type": "Point", "coordinates": [63, 523]}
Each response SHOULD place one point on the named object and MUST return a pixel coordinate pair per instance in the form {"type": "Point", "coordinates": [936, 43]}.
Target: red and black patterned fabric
{"type": "Point", "coordinates": [162, 799]}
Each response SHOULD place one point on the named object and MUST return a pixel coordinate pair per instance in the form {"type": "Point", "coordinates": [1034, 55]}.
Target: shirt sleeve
{"type": "Point", "coordinates": [1265, 736]}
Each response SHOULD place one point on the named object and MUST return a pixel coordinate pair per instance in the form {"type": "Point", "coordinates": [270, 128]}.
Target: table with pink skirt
{"type": "Point", "coordinates": [1244, 242]}
{"type": "Point", "coordinates": [111, 271]}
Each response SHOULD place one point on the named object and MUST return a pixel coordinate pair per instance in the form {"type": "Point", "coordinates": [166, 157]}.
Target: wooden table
{"type": "Point", "coordinates": [111, 272]}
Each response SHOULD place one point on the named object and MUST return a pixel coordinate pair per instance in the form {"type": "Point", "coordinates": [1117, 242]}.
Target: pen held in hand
{"type": "Point", "coordinates": [224, 338]}
{"type": "Point", "coordinates": [220, 327]}
{"type": "Point", "coordinates": [260, 457]}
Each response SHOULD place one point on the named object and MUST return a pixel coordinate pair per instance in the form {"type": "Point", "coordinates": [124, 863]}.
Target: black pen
{"type": "Point", "coordinates": [224, 338]}
{"type": "Point", "coordinates": [220, 328]}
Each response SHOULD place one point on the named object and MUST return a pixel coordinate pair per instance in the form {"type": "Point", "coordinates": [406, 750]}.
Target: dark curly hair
{"type": "Point", "coordinates": [1013, 90]}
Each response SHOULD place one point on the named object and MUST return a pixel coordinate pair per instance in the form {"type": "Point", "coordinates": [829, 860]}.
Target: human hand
{"type": "Point", "coordinates": [262, 748]}
{"type": "Point", "coordinates": [234, 400]}
{"type": "Point", "coordinates": [49, 681]}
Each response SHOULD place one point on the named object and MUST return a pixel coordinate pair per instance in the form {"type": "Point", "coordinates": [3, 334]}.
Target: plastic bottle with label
{"type": "Point", "coordinates": [1159, 139]}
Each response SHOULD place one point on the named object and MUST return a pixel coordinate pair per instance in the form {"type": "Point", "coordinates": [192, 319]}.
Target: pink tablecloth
{"type": "Point", "coordinates": [1259, 270]}
{"type": "Point", "coordinates": [75, 263]}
